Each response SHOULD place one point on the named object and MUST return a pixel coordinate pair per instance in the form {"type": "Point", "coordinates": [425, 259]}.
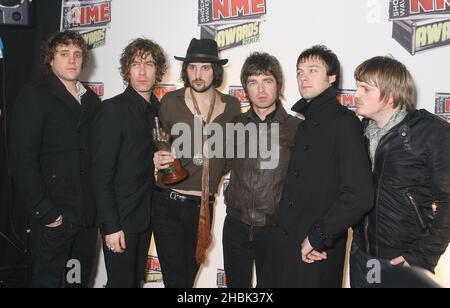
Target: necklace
{"type": "Point", "coordinates": [204, 223]}
{"type": "Point", "coordinates": [211, 107]}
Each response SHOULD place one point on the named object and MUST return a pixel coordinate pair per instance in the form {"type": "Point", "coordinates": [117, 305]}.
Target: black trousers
{"type": "Point", "coordinates": [175, 227]}
{"type": "Point", "coordinates": [242, 247]}
{"type": "Point", "coordinates": [363, 274]}
{"type": "Point", "coordinates": [127, 270]}
{"type": "Point", "coordinates": [63, 256]}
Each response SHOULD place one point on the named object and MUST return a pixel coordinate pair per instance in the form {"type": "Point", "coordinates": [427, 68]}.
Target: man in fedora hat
{"type": "Point", "coordinates": [182, 212]}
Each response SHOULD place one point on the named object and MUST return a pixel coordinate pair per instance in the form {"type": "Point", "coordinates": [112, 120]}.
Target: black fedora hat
{"type": "Point", "coordinates": [204, 50]}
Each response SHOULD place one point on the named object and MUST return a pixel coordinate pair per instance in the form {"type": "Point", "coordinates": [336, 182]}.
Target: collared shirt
{"type": "Point", "coordinates": [81, 90]}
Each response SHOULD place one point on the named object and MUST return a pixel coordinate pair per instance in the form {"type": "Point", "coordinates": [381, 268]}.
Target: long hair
{"type": "Point", "coordinates": [142, 48]}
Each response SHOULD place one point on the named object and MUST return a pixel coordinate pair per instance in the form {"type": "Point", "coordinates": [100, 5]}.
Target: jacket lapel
{"type": "Point", "coordinates": [134, 104]}
{"type": "Point", "coordinates": [88, 107]}
{"type": "Point", "coordinates": [59, 90]}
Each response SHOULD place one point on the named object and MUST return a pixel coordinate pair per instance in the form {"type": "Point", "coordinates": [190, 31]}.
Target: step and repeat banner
{"type": "Point", "coordinates": [416, 32]}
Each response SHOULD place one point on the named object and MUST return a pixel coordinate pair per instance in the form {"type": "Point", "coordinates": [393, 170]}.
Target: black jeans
{"type": "Point", "coordinates": [243, 245]}
{"type": "Point", "coordinates": [53, 248]}
{"type": "Point", "coordinates": [127, 270]}
{"type": "Point", "coordinates": [366, 271]}
{"type": "Point", "coordinates": [175, 227]}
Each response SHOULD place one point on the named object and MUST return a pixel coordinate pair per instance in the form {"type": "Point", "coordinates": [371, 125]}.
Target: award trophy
{"type": "Point", "coordinates": [175, 173]}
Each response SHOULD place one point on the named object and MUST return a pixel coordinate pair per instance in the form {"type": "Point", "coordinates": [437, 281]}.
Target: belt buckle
{"type": "Point", "coordinates": [173, 196]}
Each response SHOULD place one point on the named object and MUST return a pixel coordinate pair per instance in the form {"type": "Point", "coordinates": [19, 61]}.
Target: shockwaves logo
{"type": "Point", "coordinates": [153, 273]}
{"type": "Point", "coordinates": [232, 23]}
{"type": "Point", "coordinates": [443, 106]}
{"type": "Point", "coordinates": [239, 93]}
{"type": "Point", "coordinates": [420, 24]}
{"type": "Point", "coordinates": [91, 18]}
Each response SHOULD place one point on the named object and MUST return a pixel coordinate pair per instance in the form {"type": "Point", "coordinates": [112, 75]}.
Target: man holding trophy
{"type": "Point", "coordinates": [123, 167]}
{"type": "Point", "coordinates": [182, 203]}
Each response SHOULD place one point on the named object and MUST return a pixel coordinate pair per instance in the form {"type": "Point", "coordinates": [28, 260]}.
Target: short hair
{"type": "Point", "coordinates": [66, 38]}
{"type": "Point", "coordinates": [217, 70]}
{"type": "Point", "coordinates": [263, 64]}
{"type": "Point", "coordinates": [142, 47]}
{"type": "Point", "coordinates": [326, 55]}
{"type": "Point", "coordinates": [392, 78]}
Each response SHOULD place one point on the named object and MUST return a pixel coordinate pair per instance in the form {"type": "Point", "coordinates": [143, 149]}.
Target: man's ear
{"type": "Point", "coordinates": [332, 79]}
{"type": "Point", "coordinates": [389, 101]}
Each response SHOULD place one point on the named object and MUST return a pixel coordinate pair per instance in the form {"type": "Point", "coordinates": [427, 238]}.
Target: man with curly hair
{"type": "Point", "coordinates": [123, 166]}
{"type": "Point", "coordinates": [50, 163]}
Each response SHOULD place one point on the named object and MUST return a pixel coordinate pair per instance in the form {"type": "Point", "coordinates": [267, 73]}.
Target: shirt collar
{"type": "Point", "coordinates": [81, 90]}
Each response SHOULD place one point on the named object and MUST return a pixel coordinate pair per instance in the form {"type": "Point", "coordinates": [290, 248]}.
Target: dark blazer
{"type": "Point", "coordinates": [328, 189]}
{"type": "Point", "coordinates": [123, 163]}
{"type": "Point", "coordinates": [50, 152]}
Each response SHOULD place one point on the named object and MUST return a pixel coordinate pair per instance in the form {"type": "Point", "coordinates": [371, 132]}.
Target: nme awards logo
{"type": "Point", "coordinates": [239, 93]}
{"type": "Point", "coordinates": [347, 98]}
{"type": "Point", "coordinates": [97, 87]}
{"type": "Point", "coordinates": [161, 90]}
{"type": "Point", "coordinates": [232, 23]}
{"type": "Point", "coordinates": [221, 279]}
{"type": "Point", "coordinates": [443, 106]}
{"type": "Point", "coordinates": [91, 18]}
{"type": "Point", "coordinates": [153, 273]}
{"type": "Point", "coordinates": [420, 25]}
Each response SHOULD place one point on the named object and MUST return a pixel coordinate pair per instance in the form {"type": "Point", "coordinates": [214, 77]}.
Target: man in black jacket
{"type": "Point", "coordinates": [410, 153]}
{"type": "Point", "coordinates": [123, 166]}
{"type": "Point", "coordinates": [328, 187]}
{"type": "Point", "coordinates": [50, 161]}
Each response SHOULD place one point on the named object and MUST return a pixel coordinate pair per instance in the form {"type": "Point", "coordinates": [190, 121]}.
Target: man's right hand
{"type": "Point", "coordinates": [57, 223]}
{"type": "Point", "coordinates": [116, 242]}
{"type": "Point", "coordinates": [163, 159]}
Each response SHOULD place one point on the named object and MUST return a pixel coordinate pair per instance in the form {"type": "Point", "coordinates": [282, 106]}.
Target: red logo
{"type": "Point", "coordinates": [347, 98]}
{"type": "Point", "coordinates": [447, 105]}
{"type": "Point", "coordinates": [226, 9]}
{"type": "Point", "coordinates": [425, 6]}
{"type": "Point", "coordinates": [161, 90]}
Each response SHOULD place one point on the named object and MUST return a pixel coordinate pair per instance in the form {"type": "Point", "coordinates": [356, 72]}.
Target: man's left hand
{"type": "Point", "coordinates": [400, 261]}
{"type": "Point", "coordinates": [310, 255]}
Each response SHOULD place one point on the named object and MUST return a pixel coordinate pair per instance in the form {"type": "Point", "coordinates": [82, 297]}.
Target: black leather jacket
{"type": "Point", "coordinates": [411, 217]}
{"type": "Point", "coordinates": [254, 194]}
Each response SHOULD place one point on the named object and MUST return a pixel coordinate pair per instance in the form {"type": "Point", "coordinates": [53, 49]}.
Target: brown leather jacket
{"type": "Point", "coordinates": [253, 194]}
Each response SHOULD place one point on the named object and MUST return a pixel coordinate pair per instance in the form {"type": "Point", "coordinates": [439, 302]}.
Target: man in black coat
{"type": "Point", "coordinates": [123, 166]}
{"type": "Point", "coordinates": [328, 188]}
{"type": "Point", "coordinates": [410, 153]}
{"type": "Point", "coordinates": [50, 162]}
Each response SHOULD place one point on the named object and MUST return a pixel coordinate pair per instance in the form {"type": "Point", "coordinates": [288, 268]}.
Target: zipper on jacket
{"type": "Point", "coordinates": [383, 143]}
{"type": "Point", "coordinates": [417, 211]}
{"type": "Point", "coordinates": [253, 208]}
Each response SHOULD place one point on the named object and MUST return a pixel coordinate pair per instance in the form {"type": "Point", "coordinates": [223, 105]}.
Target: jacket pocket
{"type": "Point", "coordinates": [417, 210]}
